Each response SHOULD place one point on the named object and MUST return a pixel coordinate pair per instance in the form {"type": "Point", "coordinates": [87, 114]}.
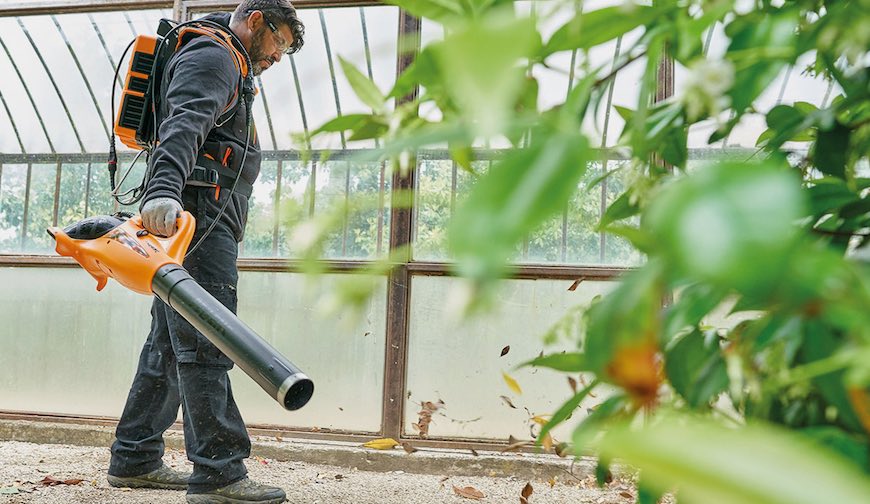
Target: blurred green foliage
{"type": "Point", "coordinates": [772, 409]}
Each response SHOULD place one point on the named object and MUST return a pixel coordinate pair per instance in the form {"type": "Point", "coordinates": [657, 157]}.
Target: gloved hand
{"type": "Point", "coordinates": [159, 214]}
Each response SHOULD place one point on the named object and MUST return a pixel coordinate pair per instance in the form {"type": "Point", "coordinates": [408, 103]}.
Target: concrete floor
{"type": "Point", "coordinates": [23, 465]}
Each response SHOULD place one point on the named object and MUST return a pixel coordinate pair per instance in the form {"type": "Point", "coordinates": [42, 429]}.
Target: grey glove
{"type": "Point", "coordinates": [159, 214]}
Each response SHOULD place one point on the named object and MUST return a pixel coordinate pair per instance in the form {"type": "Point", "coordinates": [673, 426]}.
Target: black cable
{"type": "Point", "coordinates": [113, 156]}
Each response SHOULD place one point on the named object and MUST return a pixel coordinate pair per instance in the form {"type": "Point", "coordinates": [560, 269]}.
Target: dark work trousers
{"type": "Point", "coordinates": [179, 366]}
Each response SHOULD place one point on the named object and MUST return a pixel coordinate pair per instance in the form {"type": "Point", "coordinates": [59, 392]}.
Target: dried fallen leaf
{"type": "Point", "coordinates": [526, 493]}
{"type": "Point", "coordinates": [51, 481]}
{"type": "Point", "coordinates": [573, 384]}
{"type": "Point", "coordinates": [574, 285]}
{"type": "Point", "coordinates": [468, 492]}
{"type": "Point", "coordinates": [626, 495]}
{"type": "Point", "coordinates": [563, 449]}
{"type": "Point", "coordinates": [552, 481]}
{"type": "Point", "coordinates": [511, 383]}
{"type": "Point", "coordinates": [425, 416]}
{"type": "Point", "coordinates": [505, 350]}
{"type": "Point", "coordinates": [539, 420]}
{"type": "Point", "coordinates": [382, 444]}
{"type": "Point", "coordinates": [508, 401]}
{"type": "Point", "coordinates": [514, 444]}
{"type": "Point", "coordinates": [547, 442]}
{"type": "Point", "coordinates": [408, 448]}
{"type": "Point", "coordinates": [339, 476]}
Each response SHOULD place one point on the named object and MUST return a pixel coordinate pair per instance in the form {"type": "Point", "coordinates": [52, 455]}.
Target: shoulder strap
{"type": "Point", "coordinates": [223, 38]}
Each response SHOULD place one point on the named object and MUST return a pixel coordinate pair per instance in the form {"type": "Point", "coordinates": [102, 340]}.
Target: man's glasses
{"type": "Point", "coordinates": [282, 44]}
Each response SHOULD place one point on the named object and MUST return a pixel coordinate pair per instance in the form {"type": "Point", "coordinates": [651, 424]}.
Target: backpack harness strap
{"type": "Point", "coordinates": [209, 170]}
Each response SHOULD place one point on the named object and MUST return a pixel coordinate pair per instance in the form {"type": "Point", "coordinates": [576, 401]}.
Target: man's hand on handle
{"type": "Point", "coordinates": [159, 215]}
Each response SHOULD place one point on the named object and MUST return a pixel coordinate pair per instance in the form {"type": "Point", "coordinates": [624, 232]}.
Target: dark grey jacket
{"type": "Point", "coordinates": [199, 83]}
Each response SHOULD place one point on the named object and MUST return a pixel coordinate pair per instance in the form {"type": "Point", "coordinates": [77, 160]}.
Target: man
{"type": "Point", "coordinates": [205, 97]}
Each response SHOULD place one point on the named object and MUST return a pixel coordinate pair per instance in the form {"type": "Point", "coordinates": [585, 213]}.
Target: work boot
{"type": "Point", "coordinates": [241, 492]}
{"type": "Point", "coordinates": [162, 478]}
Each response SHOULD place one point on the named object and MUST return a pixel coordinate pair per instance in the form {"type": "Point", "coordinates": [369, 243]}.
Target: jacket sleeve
{"type": "Point", "coordinates": [202, 84]}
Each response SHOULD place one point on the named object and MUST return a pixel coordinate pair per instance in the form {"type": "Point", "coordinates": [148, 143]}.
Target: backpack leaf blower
{"type": "Point", "coordinates": [118, 247]}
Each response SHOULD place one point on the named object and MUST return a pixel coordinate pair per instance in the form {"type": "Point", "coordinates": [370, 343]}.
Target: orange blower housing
{"type": "Point", "coordinates": [120, 248]}
{"type": "Point", "coordinates": [128, 253]}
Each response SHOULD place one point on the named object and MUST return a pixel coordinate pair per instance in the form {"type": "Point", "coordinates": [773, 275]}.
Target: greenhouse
{"type": "Point", "coordinates": [467, 213]}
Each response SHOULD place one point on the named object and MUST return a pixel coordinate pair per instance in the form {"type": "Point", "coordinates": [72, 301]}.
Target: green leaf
{"type": "Point", "coordinates": [596, 27]}
{"type": "Point", "coordinates": [696, 368]}
{"type": "Point", "coordinates": [674, 146]}
{"type": "Point", "coordinates": [422, 71]}
{"type": "Point", "coordinates": [832, 149]}
{"type": "Point", "coordinates": [829, 194]}
{"type": "Point", "coordinates": [620, 209]}
{"type": "Point", "coordinates": [758, 463]}
{"type": "Point", "coordinates": [573, 362]}
{"type": "Point", "coordinates": [627, 317]}
{"type": "Point", "coordinates": [463, 155]}
{"type": "Point", "coordinates": [605, 413]}
{"type": "Point", "coordinates": [762, 43]}
{"type": "Point", "coordinates": [602, 472]}
{"type": "Point", "coordinates": [818, 345]}
{"type": "Point", "coordinates": [364, 88]}
{"type": "Point", "coordinates": [785, 123]}
{"type": "Point", "coordinates": [438, 10]}
{"type": "Point", "coordinates": [692, 304]}
{"type": "Point", "coordinates": [369, 130]}
{"type": "Point", "coordinates": [566, 410]}
{"type": "Point", "coordinates": [851, 446]}
{"type": "Point", "coordinates": [482, 68]}
{"type": "Point", "coordinates": [519, 193]}
{"type": "Point", "coordinates": [731, 224]}
{"type": "Point", "coordinates": [639, 238]}
{"type": "Point", "coordinates": [343, 123]}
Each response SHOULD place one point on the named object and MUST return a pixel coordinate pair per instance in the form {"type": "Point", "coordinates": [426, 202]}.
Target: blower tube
{"type": "Point", "coordinates": [271, 370]}
{"type": "Point", "coordinates": [119, 247]}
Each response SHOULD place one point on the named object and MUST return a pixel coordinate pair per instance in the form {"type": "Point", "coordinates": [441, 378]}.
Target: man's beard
{"type": "Point", "coordinates": [257, 54]}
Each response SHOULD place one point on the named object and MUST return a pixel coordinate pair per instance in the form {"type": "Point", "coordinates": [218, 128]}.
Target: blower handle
{"type": "Point", "coordinates": [175, 245]}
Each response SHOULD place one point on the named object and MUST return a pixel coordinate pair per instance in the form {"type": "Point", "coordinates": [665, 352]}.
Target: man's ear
{"type": "Point", "coordinates": [253, 20]}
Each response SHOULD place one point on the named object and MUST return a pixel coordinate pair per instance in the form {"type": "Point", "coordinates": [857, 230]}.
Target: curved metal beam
{"type": "Point", "coordinates": [82, 73]}
{"type": "Point", "coordinates": [365, 34]}
{"type": "Point", "coordinates": [29, 96]}
{"type": "Point", "coordinates": [332, 73]}
{"type": "Point", "coordinates": [105, 49]}
{"type": "Point", "coordinates": [268, 115]}
{"type": "Point", "coordinates": [301, 102]}
{"type": "Point", "coordinates": [12, 122]}
{"type": "Point", "coordinates": [53, 83]}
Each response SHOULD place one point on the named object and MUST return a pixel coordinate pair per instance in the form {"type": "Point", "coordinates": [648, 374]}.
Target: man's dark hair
{"type": "Point", "coordinates": [278, 12]}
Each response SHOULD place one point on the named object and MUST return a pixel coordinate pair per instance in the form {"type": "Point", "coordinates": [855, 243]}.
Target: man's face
{"type": "Point", "coordinates": [268, 46]}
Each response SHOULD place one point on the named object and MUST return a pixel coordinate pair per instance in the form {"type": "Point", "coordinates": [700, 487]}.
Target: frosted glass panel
{"type": "Point", "coordinates": [344, 357]}
{"type": "Point", "coordinates": [460, 363]}
{"type": "Point", "coordinates": [65, 348]}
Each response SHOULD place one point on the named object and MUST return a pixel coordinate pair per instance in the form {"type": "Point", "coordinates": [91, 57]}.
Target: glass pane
{"type": "Point", "coordinates": [73, 189]}
{"type": "Point", "coordinates": [13, 183]}
{"type": "Point", "coordinates": [90, 373]}
{"type": "Point", "coordinates": [261, 213]}
{"type": "Point", "coordinates": [471, 350]}
{"type": "Point", "coordinates": [40, 209]}
{"type": "Point", "coordinates": [60, 70]}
